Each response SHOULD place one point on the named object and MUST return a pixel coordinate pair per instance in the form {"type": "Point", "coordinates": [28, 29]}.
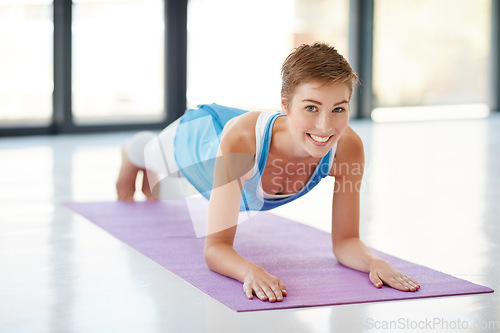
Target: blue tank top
{"type": "Point", "coordinates": [196, 144]}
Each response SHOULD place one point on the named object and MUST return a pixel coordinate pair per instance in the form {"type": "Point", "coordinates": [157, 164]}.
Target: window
{"type": "Point", "coordinates": [236, 48]}
{"type": "Point", "coordinates": [118, 61]}
{"type": "Point", "coordinates": [26, 64]}
{"type": "Point", "coordinates": [429, 52]}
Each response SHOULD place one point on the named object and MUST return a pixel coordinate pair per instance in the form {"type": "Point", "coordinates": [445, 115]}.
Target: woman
{"type": "Point", "coordinates": [259, 160]}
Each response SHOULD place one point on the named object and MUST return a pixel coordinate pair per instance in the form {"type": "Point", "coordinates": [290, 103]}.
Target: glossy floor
{"type": "Point", "coordinates": [431, 195]}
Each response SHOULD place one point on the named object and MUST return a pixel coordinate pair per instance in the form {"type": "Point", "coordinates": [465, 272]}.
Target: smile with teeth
{"type": "Point", "coordinates": [319, 139]}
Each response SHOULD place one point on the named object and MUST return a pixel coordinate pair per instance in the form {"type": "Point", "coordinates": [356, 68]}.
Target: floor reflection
{"type": "Point", "coordinates": [430, 179]}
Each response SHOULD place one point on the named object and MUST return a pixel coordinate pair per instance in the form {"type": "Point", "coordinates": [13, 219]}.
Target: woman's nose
{"type": "Point", "coordinates": [324, 123]}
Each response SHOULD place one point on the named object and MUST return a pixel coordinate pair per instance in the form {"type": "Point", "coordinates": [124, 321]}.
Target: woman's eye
{"type": "Point", "coordinates": [311, 108]}
{"type": "Point", "coordinates": [338, 110]}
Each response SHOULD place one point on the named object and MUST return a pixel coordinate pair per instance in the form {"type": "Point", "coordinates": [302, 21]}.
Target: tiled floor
{"type": "Point", "coordinates": [431, 195]}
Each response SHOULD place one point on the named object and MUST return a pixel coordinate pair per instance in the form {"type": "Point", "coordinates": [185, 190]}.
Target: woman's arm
{"type": "Point", "coordinates": [229, 176]}
{"type": "Point", "coordinates": [220, 255]}
{"type": "Point", "coordinates": [347, 246]}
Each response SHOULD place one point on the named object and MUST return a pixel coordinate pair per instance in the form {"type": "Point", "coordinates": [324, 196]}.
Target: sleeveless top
{"type": "Point", "coordinates": [196, 144]}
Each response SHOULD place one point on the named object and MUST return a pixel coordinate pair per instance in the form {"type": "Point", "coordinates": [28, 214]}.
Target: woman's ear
{"type": "Point", "coordinates": [284, 104]}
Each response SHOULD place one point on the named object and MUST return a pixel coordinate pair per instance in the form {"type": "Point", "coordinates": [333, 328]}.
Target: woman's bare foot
{"type": "Point", "coordinates": [125, 184]}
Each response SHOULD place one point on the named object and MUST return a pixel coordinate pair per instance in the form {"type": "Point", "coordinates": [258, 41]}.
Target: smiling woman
{"type": "Point", "coordinates": [321, 124]}
{"type": "Point", "coordinates": [249, 161]}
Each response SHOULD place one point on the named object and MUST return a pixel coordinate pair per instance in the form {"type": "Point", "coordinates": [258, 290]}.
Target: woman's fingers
{"type": "Point", "coordinates": [266, 293]}
{"type": "Point", "coordinates": [282, 288]}
{"type": "Point", "coordinates": [248, 290]}
{"type": "Point", "coordinates": [261, 294]}
{"type": "Point", "coordinates": [409, 283]}
{"type": "Point", "coordinates": [272, 292]}
{"type": "Point", "coordinates": [402, 282]}
{"type": "Point", "coordinates": [374, 278]}
{"type": "Point", "coordinates": [277, 293]}
{"type": "Point", "coordinates": [384, 273]}
{"type": "Point", "coordinates": [251, 289]}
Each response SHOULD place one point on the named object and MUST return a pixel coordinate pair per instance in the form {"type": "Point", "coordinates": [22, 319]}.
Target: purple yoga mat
{"type": "Point", "coordinates": [299, 255]}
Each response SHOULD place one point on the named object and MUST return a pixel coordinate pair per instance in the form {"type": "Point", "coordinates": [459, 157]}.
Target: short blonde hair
{"type": "Point", "coordinates": [318, 62]}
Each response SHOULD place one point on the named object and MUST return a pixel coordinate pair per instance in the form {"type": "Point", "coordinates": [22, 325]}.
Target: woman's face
{"type": "Point", "coordinates": [318, 116]}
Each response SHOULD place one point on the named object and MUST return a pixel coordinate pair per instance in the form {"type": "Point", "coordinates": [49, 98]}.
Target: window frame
{"type": "Point", "coordinates": [62, 122]}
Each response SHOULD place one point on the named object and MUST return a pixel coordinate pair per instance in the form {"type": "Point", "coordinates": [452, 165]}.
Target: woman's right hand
{"type": "Point", "coordinates": [265, 286]}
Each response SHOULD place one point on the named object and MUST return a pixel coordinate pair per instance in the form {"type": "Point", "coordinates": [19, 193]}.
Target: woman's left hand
{"type": "Point", "coordinates": [382, 272]}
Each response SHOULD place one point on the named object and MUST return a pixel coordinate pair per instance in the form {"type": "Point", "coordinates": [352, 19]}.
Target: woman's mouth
{"type": "Point", "coordinates": [319, 140]}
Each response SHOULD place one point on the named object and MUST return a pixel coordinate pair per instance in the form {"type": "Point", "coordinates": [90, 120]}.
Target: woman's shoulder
{"type": "Point", "coordinates": [238, 135]}
{"type": "Point", "coordinates": [350, 153]}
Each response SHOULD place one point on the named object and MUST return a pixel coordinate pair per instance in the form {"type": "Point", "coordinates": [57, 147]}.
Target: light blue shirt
{"type": "Point", "coordinates": [195, 149]}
